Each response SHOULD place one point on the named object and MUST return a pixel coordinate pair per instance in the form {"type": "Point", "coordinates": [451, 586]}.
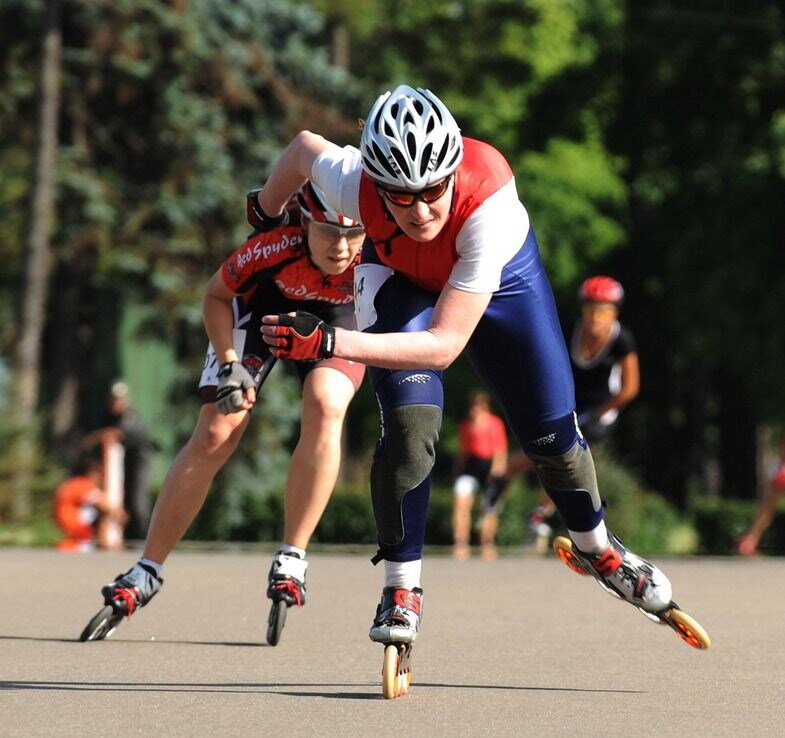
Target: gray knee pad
{"type": "Point", "coordinates": [569, 472]}
{"type": "Point", "coordinates": [404, 460]}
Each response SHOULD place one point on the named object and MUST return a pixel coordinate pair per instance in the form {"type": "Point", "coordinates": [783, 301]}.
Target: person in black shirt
{"type": "Point", "coordinates": [606, 371]}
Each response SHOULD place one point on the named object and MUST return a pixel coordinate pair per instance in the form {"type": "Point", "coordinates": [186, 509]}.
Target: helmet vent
{"type": "Point", "coordinates": [430, 125]}
{"type": "Point", "coordinates": [442, 153]}
{"type": "Point", "coordinates": [418, 106]}
{"type": "Point", "coordinates": [382, 160]}
{"type": "Point", "coordinates": [426, 159]}
{"type": "Point", "coordinates": [388, 129]}
{"type": "Point", "coordinates": [401, 160]}
{"type": "Point", "coordinates": [411, 144]}
{"type": "Point", "coordinates": [394, 110]}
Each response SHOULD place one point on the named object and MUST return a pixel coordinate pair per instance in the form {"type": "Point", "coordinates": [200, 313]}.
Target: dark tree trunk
{"type": "Point", "coordinates": [37, 264]}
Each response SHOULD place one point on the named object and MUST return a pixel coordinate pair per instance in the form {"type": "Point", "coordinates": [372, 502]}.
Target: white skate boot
{"type": "Point", "coordinates": [135, 588]}
{"type": "Point", "coordinates": [637, 581]}
{"type": "Point", "coordinates": [397, 616]}
{"type": "Point", "coordinates": [286, 580]}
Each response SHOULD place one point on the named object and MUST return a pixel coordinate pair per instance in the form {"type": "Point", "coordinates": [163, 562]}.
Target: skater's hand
{"type": "Point", "coordinates": [301, 336]}
{"type": "Point", "coordinates": [236, 388]}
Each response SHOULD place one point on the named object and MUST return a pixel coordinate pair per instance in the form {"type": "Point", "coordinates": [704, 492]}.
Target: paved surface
{"type": "Point", "coordinates": [516, 647]}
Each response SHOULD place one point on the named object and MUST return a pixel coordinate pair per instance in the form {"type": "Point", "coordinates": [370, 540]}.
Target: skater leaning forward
{"type": "Point", "coordinates": [303, 260]}
{"type": "Point", "coordinates": [451, 263]}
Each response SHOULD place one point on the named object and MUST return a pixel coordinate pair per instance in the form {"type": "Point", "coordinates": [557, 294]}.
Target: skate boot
{"type": "Point", "coordinates": [122, 598]}
{"type": "Point", "coordinates": [637, 581]}
{"type": "Point", "coordinates": [286, 580]}
{"type": "Point", "coordinates": [628, 576]}
{"type": "Point", "coordinates": [397, 616]}
{"type": "Point", "coordinates": [132, 590]}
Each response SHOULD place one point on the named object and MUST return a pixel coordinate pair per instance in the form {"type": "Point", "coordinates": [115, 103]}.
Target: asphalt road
{"type": "Point", "coordinates": [516, 647]}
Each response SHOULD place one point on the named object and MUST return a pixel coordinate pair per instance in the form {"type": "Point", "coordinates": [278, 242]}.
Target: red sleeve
{"type": "Point", "coordinates": [500, 434]}
{"type": "Point", "coordinates": [261, 253]}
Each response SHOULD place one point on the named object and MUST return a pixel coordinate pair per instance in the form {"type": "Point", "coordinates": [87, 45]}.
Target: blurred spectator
{"type": "Point", "coordinates": [481, 463]}
{"type": "Point", "coordinates": [748, 545]}
{"type": "Point", "coordinates": [124, 425]}
{"type": "Point", "coordinates": [81, 506]}
{"type": "Point", "coordinates": [606, 371]}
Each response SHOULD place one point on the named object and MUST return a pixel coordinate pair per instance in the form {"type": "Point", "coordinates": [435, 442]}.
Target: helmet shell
{"type": "Point", "coordinates": [410, 139]}
{"type": "Point", "coordinates": [313, 204]}
{"type": "Point", "coordinates": [602, 289]}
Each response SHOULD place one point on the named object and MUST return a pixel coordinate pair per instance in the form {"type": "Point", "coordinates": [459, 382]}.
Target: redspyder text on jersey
{"type": "Point", "coordinates": [485, 229]}
{"type": "Point", "coordinates": [282, 257]}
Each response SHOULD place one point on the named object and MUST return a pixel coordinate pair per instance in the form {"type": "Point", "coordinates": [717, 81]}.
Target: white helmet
{"type": "Point", "coordinates": [314, 205]}
{"type": "Point", "coordinates": [410, 139]}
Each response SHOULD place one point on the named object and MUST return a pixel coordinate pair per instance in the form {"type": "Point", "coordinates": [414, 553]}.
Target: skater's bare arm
{"type": "Point", "coordinates": [291, 171]}
{"type": "Point", "coordinates": [219, 318]}
{"type": "Point", "coordinates": [454, 319]}
{"type": "Point", "coordinates": [630, 385]}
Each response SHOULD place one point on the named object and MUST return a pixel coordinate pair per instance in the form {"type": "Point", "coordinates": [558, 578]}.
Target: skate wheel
{"type": "Point", "coordinates": [390, 672]}
{"type": "Point", "coordinates": [396, 672]}
{"type": "Point", "coordinates": [275, 622]}
{"type": "Point", "coordinates": [688, 629]}
{"type": "Point", "coordinates": [563, 548]}
{"type": "Point", "coordinates": [102, 625]}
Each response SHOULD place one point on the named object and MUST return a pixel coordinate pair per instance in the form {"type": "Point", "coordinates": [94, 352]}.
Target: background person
{"type": "Point", "coordinates": [308, 263]}
{"type": "Point", "coordinates": [748, 544]}
{"type": "Point", "coordinates": [124, 425]}
{"type": "Point", "coordinates": [81, 506]}
{"type": "Point", "coordinates": [606, 372]}
{"type": "Point", "coordinates": [480, 464]}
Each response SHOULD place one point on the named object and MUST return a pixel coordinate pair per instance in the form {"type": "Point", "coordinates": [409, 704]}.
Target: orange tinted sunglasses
{"type": "Point", "coordinates": [404, 199]}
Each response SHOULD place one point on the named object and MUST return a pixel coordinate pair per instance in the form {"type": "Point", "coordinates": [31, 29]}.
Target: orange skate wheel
{"type": "Point", "coordinates": [563, 548]}
{"type": "Point", "coordinates": [688, 629]}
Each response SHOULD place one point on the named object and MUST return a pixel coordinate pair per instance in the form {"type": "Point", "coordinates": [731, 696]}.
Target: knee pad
{"type": "Point", "coordinates": [403, 460]}
{"type": "Point", "coordinates": [571, 482]}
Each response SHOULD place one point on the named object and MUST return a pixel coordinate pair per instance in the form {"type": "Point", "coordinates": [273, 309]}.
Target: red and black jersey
{"type": "Point", "coordinates": [281, 257]}
{"type": "Point", "coordinates": [481, 173]}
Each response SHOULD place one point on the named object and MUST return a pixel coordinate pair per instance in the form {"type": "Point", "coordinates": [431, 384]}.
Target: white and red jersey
{"type": "Point", "coordinates": [486, 228]}
{"type": "Point", "coordinates": [281, 256]}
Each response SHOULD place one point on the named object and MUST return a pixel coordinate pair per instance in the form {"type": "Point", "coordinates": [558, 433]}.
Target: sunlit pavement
{"type": "Point", "coordinates": [515, 647]}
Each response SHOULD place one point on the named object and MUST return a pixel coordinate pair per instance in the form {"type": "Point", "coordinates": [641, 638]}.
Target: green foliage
{"type": "Point", "coordinates": [721, 523]}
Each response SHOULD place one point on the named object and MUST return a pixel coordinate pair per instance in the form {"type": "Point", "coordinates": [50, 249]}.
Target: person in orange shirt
{"type": "Point", "coordinates": [481, 463]}
{"type": "Point", "coordinates": [80, 504]}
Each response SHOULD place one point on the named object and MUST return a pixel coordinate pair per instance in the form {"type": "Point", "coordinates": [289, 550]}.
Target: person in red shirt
{"type": "Point", "coordinates": [480, 463]}
{"type": "Point", "coordinates": [80, 505]}
{"type": "Point", "coordinates": [305, 260]}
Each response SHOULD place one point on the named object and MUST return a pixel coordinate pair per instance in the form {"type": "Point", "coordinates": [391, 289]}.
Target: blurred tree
{"type": "Point", "coordinates": [26, 359]}
{"type": "Point", "coordinates": [702, 122]}
{"type": "Point", "coordinates": [171, 112]}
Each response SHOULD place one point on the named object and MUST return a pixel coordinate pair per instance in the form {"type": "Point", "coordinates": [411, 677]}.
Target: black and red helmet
{"type": "Point", "coordinates": [313, 204]}
{"type": "Point", "coordinates": [602, 289]}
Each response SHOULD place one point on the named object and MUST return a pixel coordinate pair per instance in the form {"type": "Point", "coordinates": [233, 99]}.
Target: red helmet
{"type": "Point", "coordinates": [313, 204]}
{"type": "Point", "coordinates": [602, 289]}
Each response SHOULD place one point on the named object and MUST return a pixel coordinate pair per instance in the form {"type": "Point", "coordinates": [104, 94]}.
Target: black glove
{"type": "Point", "coordinates": [233, 381]}
{"type": "Point", "coordinates": [258, 218]}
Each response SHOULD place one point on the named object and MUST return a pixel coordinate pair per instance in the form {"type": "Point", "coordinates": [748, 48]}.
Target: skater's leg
{"type": "Point", "coordinates": [488, 528]}
{"type": "Point", "coordinates": [462, 500]}
{"type": "Point", "coordinates": [213, 441]}
{"type": "Point", "coordinates": [313, 470]}
{"type": "Point", "coordinates": [410, 403]}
